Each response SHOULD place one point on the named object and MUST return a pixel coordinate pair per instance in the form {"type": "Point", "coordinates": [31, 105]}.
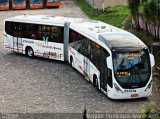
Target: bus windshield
{"type": "Point", "coordinates": [3, 2]}
{"type": "Point", "coordinates": [132, 68]}
{"type": "Point", "coordinates": [18, 2]}
{"type": "Point", "coordinates": [36, 1]}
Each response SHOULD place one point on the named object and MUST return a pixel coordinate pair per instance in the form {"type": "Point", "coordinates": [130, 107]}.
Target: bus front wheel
{"type": "Point", "coordinates": [29, 52]}
{"type": "Point", "coordinates": [95, 82]}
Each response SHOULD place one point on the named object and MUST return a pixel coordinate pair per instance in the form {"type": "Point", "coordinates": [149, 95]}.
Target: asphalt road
{"type": "Point", "coordinates": [45, 86]}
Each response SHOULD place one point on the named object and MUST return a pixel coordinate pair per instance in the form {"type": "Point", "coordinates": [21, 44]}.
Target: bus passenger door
{"type": "Point", "coordinates": [98, 58]}
{"type": "Point", "coordinates": [86, 61]}
{"type": "Point", "coordinates": [17, 38]}
{"type": "Point", "coordinates": [103, 69]}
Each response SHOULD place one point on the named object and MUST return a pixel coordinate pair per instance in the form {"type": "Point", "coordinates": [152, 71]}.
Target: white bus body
{"type": "Point", "coordinates": [115, 61]}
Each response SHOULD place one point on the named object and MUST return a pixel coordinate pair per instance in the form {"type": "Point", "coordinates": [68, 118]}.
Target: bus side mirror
{"type": "Point", "coordinates": [152, 60]}
{"type": "Point", "coordinates": [109, 62]}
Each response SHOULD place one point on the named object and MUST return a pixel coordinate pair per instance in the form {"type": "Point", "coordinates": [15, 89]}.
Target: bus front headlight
{"type": "Point", "coordinates": [117, 88]}
{"type": "Point", "coordinates": [149, 86]}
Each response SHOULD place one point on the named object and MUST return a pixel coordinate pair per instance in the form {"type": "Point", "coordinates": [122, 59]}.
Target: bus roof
{"type": "Point", "coordinates": [111, 36]}
{"type": "Point", "coordinates": [123, 41]}
{"type": "Point", "coordinates": [43, 19]}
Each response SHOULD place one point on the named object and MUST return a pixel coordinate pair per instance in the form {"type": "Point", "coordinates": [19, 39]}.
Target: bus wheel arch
{"type": "Point", "coordinates": [29, 51]}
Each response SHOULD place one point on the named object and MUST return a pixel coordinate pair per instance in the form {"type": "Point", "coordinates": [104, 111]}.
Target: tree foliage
{"type": "Point", "coordinates": [152, 15]}
{"type": "Point", "coordinates": [151, 10]}
{"type": "Point", "coordinates": [134, 9]}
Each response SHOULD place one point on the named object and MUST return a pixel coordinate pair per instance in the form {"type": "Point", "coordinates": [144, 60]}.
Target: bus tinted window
{"type": "Point", "coordinates": [35, 31]}
{"type": "Point", "coordinates": [46, 33]}
{"type": "Point", "coordinates": [3, 2]}
{"type": "Point", "coordinates": [8, 28]}
{"type": "Point", "coordinates": [80, 43]}
{"type": "Point", "coordinates": [95, 54]}
{"type": "Point", "coordinates": [74, 36]}
{"type": "Point", "coordinates": [56, 34]}
{"type": "Point", "coordinates": [18, 2]}
{"type": "Point", "coordinates": [85, 47]}
{"type": "Point", "coordinates": [52, 33]}
{"type": "Point", "coordinates": [30, 31]}
{"type": "Point", "coordinates": [36, 1]}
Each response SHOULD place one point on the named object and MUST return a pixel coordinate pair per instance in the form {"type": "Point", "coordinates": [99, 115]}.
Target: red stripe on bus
{"type": "Point", "coordinates": [39, 53]}
{"type": "Point", "coordinates": [14, 48]}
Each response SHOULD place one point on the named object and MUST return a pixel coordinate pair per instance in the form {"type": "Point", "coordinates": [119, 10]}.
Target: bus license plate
{"type": "Point", "coordinates": [134, 95]}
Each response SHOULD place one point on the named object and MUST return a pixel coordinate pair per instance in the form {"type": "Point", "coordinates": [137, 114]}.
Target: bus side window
{"type": "Point", "coordinates": [31, 31]}
{"type": "Point", "coordinates": [85, 47]}
{"type": "Point", "coordinates": [39, 34]}
{"type": "Point", "coordinates": [16, 29]}
{"type": "Point", "coordinates": [9, 28]}
{"type": "Point", "coordinates": [76, 40]}
{"type": "Point", "coordinates": [46, 32]}
{"type": "Point", "coordinates": [56, 34]}
{"type": "Point", "coordinates": [74, 36]}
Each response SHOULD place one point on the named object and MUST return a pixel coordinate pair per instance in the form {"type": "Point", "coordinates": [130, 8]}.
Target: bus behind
{"type": "Point", "coordinates": [18, 4]}
{"type": "Point", "coordinates": [52, 3]}
{"type": "Point", "coordinates": [36, 4]}
{"type": "Point", "coordinates": [4, 5]}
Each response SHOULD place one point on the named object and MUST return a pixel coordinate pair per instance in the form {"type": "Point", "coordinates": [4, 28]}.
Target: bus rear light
{"type": "Point", "coordinates": [149, 86]}
{"type": "Point", "coordinates": [134, 95]}
{"type": "Point", "coordinates": [117, 88]}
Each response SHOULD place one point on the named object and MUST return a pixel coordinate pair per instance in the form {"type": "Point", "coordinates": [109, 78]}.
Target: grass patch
{"type": "Point", "coordinates": [113, 15]}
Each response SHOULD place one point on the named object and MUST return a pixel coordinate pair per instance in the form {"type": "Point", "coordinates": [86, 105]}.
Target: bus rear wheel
{"type": "Point", "coordinates": [29, 52]}
{"type": "Point", "coordinates": [71, 62]}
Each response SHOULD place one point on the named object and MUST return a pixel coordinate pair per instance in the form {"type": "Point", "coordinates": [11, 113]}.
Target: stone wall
{"type": "Point", "coordinates": [98, 4]}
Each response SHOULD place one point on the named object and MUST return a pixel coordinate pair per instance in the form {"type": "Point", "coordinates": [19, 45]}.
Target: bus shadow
{"type": "Point", "coordinates": [41, 58]}
{"type": "Point", "coordinates": [79, 74]}
{"type": "Point", "coordinates": [128, 100]}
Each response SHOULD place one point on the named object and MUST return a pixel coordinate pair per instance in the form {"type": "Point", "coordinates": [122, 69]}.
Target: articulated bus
{"type": "Point", "coordinates": [18, 4]}
{"type": "Point", "coordinates": [115, 61]}
{"type": "Point", "coordinates": [36, 4]}
{"type": "Point", "coordinates": [4, 4]}
{"type": "Point", "coordinates": [52, 3]}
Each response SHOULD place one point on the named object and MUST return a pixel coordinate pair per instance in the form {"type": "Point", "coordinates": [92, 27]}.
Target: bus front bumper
{"type": "Point", "coordinates": [122, 95]}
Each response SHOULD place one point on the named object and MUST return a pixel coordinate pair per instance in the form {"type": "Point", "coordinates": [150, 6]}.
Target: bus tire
{"type": "Point", "coordinates": [97, 86]}
{"type": "Point", "coordinates": [94, 80]}
{"type": "Point", "coordinates": [71, 62]}
{"type": "Point", "coordinates": [29, 52]}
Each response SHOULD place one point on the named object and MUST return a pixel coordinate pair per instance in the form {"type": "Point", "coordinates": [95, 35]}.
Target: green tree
{"type": "Point", "coordinates": [147, 17]}
{"type": "Point", "coordinates": [152, 15]}
{"type": "Point", "coordinates": [134, 10]}
{"type": "Point", "coordinates": [158, 18]}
